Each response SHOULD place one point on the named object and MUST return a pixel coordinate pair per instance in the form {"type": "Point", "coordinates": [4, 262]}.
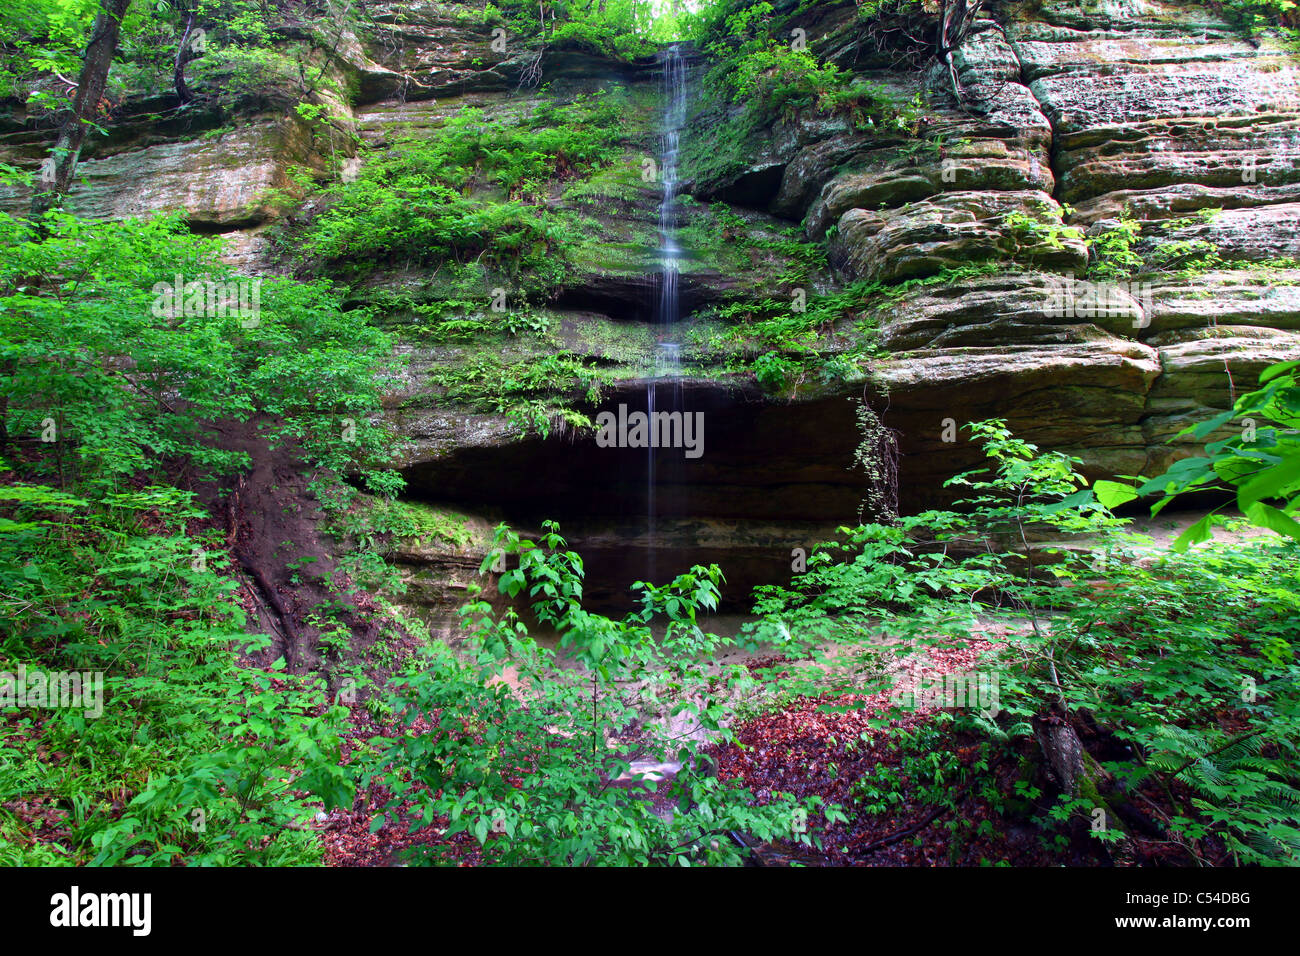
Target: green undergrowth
{"type": "Point", "coordinates": [1252, 17]}
{"type": "Point", "coordinates": [114, 406]}
{"type": "Point", "coordinates": [242, 56]}
{"type": "Point", "coordinates": [618, 29]}
{"type": "Point", "coordinates": [529, 775]}
{"type": "Point", "coordinates": [424, 523]}
{"type": "Point", "coordinates": [718, 238]}
{"type": "Point", "coordinates": [1189, 706]}
{"type": "Point", "coordinates": [195, 757]}
{"type": "Point", "coordinates": [775, 73]}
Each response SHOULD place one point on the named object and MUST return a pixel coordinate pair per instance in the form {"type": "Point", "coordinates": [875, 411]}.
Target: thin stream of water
{"type": "Point", "coordinates": [667, 364]}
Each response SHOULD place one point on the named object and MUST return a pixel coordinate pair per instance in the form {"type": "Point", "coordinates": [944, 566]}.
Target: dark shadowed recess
{"type": "Point", "coordinates": [636, 298]}
{"type": "Point", "coordinates": [772, 477]}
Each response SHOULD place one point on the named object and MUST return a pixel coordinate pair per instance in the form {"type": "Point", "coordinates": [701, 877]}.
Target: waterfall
{"type": "Point", "coordinates": [674, 120]}
{"type": "Point", "coordinates": [667, 360]}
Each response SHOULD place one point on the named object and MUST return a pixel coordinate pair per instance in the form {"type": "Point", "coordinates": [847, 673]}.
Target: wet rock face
{"type": "Point", "coordinates": [948, 232]}
{"type": "Point", "coordinates": [1152, 110]}
{"type": "Point", "coordinates": [224, 176]}
{"type": "Point", "coordinates": [888, 182]}
{"type": "Point", "coordinates": [223, 184]}
{"type": "Point", "coordinates": [1163, 111]}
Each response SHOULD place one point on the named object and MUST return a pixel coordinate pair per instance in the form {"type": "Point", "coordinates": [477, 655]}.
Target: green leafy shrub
{"type": "Point", "coordinates": [1257, 466]}
{"type": "Point", "coordinates": [194, 758]}
{"type": "Point", "coordinates": [542, 772]}
{"type": "Point", "coordinates": [427, 200]}
{"type": "Point", "coordinates": [1252, 16]}
{"type": "Point", "coordinates": [109, 403]}
{"type": "Point", "coordinates": [125, 389]}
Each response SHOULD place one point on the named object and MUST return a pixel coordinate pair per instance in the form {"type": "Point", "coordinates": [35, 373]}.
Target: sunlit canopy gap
{"type": "Point", "coordinates": [631, 26]}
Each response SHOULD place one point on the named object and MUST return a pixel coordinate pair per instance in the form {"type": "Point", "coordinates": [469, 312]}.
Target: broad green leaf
{"type": "Point", "coordinates": [1270, 483]}
{"type": "Point", "coordinates": [1276, 371]}
{"type": "Point", "coordinates": [1076, 500]}
{"type": "Point", "coordinates": [1266, 516]}
{"type": "Point", "coordinates": [1196, 534]}
{"type": "Point", "coordinates": [1112, 494]}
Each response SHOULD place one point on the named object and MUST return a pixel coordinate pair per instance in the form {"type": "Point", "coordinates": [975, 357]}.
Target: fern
{"type": "Point", "coordinates": [1249, 799]}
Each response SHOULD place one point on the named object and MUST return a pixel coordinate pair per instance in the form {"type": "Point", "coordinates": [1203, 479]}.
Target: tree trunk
{"type": "Point", "coordinates": [182, 58]}
{"type": "Point", "coordinates": [90, 90]}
